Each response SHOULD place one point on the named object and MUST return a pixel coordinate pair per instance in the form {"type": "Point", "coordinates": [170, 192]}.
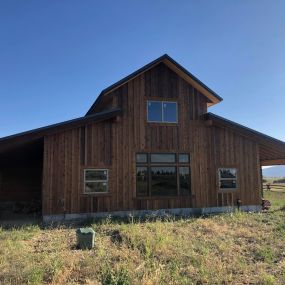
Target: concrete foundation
{"type": "Point", "coordinates": [183, 212]}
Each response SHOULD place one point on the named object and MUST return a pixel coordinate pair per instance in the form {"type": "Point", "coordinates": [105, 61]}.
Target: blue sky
{"type": "Point", "coordinates": [56, 56]}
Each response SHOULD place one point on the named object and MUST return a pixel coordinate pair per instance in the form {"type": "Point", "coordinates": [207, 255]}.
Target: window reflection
{"type": "Point", "coordinates": [163, 181]}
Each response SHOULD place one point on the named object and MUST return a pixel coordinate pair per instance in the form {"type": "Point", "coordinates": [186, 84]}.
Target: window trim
{"type": "Point", "coordinates": [90, 181]}
{"type": "Point", "coordinates": [228, 179]}
{"type": "Point", "coordinates": [162, 115]}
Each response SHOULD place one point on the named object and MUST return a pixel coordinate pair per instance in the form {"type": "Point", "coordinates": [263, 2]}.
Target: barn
{"type": "Point", "coordinates": [147, 145]}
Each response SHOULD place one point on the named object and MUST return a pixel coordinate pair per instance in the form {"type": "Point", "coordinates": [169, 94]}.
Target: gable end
{"type": "Point", "coordinates": [176, 68]}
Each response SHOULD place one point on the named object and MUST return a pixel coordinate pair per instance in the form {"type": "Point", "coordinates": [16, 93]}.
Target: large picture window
{"type": "Point", "coordinates": [95, 181]}
{"type": "Point", "coordinates": [227, 178]}
{"type": "Point", "coordinates": [163, 174]}
{"type": "Point", "coordinates": [162, 112]}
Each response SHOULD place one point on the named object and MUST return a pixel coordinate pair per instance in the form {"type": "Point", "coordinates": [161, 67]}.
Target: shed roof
{"type": "Point", "coordinates": [37, 134]}
{"type": "Point", "coordinates": [272, 151]}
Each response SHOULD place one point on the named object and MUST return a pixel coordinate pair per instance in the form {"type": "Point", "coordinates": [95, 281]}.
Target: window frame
{"type": "Point", "coordinates": [94, 181]}
{"type": "Point", "coordinates": [227, 179]}
{"type": "Point", "coordinates": [175, 164]}
{"type": "Point", "coordinates": [162, 112]}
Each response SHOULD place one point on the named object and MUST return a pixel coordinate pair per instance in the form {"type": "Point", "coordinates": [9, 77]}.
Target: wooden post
{"type": "Point", "coordinates": [262, 194]}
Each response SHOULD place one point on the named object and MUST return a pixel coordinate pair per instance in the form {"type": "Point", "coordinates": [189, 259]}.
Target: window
{"type": "Point", "coordinates": [162, 111]}
{"type": "Point", "coordinates": [163, 181]}
{"type": "Point", "coordinates": [227, 178]}
{"type": "Point", "coordinates": [141, 158]}
{"type": "Point", "coordinates": [160, 174]}
{"type": "Point", "coordinates": [95, 181]}
{"type": "Point", "coordinates": [162, 158]}
{"type": "Point", "coordinates": [184, 180]}
{"type": "Point", "coordinates": [142, 181]}
{"type": "Point", "coordinates": [154, 111]}
{"type": "Point", "coordinates": [184, 158]}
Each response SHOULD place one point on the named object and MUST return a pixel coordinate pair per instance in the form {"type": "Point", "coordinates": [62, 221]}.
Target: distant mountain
{"type": "Point", "coordinates": [275, 171]}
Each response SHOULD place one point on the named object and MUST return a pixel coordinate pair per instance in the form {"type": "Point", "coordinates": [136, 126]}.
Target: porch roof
{"type": "Point", "coordinates": [36, 135]}
{"type": "Point", "coordinates": [271, 150]}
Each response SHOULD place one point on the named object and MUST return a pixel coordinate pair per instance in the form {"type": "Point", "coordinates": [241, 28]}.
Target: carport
{"type": "Point", "coordinates": [271, 150]}
{"type": "Point", "coordinates": [21, 166]}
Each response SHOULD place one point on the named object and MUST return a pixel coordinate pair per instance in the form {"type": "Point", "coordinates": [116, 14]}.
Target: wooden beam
{"type": "Point", "coordinates": [273, 162]}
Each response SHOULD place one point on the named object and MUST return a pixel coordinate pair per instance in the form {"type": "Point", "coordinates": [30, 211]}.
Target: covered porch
{"type": "Point", "coordinates": [21, 169]}
{"type": "Point", "coordinates": [271, 151]}
{"type": "Point", "coordinates": [22, 166]}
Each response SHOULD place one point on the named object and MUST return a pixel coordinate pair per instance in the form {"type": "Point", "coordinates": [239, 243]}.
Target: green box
{"type": "Point", "coordinates": [85, 238]}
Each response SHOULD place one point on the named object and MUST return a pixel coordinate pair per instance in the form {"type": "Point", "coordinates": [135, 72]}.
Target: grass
{"type": "Point", "coordinates": [234, 248]}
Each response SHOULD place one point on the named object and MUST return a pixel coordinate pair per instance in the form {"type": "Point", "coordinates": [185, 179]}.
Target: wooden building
{"type": "Point", "coordinates": [147, 143]}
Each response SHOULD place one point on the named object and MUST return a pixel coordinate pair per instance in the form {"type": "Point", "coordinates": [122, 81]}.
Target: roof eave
{"type": "Point", "coordinates": [39, 133]}
{"type": "Point", "coordinates": [255, 134]}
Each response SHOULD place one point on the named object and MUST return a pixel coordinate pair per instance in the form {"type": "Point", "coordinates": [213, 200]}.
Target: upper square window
{"type": "Point", "coordinates": [162, 112]}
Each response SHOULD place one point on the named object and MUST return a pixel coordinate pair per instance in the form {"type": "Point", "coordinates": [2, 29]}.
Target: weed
{"type": "Point", "coordinates": [267, 279]}
{"type": "Point", "coordinates": [115, 277]}
{"type": "Point", "coordinates": [265, 254]}
{"type": "Point", "coordinates": [34, 276]}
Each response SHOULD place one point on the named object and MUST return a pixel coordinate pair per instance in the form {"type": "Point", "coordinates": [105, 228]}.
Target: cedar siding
{"type": "Point", "coordinates": [113, 144]}
{"type": "Point", "coordinates": [115, 129]}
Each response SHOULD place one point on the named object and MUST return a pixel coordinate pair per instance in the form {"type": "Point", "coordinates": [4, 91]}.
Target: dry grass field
{"type": "Point", "coordinates": [234, 248]}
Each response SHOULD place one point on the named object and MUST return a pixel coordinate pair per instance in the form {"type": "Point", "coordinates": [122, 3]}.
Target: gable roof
{"type": "Point", "coordinates": [37, 134]}
{"type": "Point", "coordinates": [213, 97]}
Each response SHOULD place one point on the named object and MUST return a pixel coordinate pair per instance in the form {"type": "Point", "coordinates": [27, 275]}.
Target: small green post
{"type": "Point", "coordinates": [85, 238]}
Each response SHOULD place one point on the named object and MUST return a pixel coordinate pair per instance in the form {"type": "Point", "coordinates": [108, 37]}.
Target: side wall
{"type": "Point", "coordinates": [66, 154]}
{"type": "Point", "coordinates": [113, 144]}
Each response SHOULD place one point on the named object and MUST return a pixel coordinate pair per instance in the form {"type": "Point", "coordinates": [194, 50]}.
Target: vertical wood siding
{"type": "Point", "coordinates": [113, 144]}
